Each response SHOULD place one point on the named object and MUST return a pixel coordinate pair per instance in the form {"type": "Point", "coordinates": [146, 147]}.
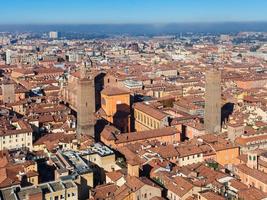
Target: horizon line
{"type": "Point", "coordinates": [133, 23]}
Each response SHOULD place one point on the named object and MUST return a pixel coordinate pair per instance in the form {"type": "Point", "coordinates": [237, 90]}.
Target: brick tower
{"type": "Point", "coordinates": [8, 91]}
{"type": "Point", "coordinates": [85, 103]}
{"type": "Point", "coordinates": [212, 118]}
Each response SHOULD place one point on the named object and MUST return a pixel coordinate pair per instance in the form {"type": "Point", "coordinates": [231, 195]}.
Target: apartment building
{"type": "Point", "coordinates": [55, 190]}
{"type": "Point", "coordinates": [16, 134]}
{"type": "Point", "coordinates": [101, 155]}
{"type": "Point", "coordinates": [167, 135]}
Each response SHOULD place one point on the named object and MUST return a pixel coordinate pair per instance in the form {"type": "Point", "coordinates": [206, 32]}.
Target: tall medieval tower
{"type": "Point", "coordinates": [8, 91]}
{"type": "Point", "coordinates": [212, 118]}
{"type": "Point", "coordinates": [85, 103]}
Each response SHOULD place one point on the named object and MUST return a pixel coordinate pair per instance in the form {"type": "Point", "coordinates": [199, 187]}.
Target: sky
{"type": "Point", "coordinates": [130, 11]}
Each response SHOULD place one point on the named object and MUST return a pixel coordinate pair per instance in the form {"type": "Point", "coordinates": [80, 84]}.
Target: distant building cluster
{"type": "Point", "coordinates": [133, 118]}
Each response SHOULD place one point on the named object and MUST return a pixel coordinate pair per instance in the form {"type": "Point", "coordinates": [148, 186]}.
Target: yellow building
{"type": "Point", "coordinates": [226, 153]}
{"type": "Point", "coordinates": [137, 188]}
{"type": "Point", "coordinates": [148, 118]}
{"type": "Point", "coordinates": [67, 190]}
{"type": "Point", "coordinates": [115, 107]}
{"type": "Point", "coordinates": [100, 155]}
{"type": "Point", "coordinates": [227, 156]}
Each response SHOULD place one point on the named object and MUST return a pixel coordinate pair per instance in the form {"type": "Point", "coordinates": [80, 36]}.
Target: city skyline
{"type": "Point", "coordinates": [131, 12]}
{"type": "Point", "coordinates": [133, 100]}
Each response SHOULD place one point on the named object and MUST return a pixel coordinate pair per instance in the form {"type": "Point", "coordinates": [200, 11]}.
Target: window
{"type": "Point", "coordinates": [249, 157]}
{"type": "Point", "coordinates": [254, 157]}
{"type": "Point", "coordinates": [145, 195]}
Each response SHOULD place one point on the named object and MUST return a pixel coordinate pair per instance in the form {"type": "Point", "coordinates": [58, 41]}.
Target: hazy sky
{"type": "Point", "coordinates": [130, 11]}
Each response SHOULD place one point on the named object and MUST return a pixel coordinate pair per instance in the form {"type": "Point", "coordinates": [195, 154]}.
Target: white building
{"type": "Point", "coordinates": [53, 34]}
{"type": "Point", "coordinates": [16, 138]}
{"type": "Point", "coordinates": [8, 56]}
